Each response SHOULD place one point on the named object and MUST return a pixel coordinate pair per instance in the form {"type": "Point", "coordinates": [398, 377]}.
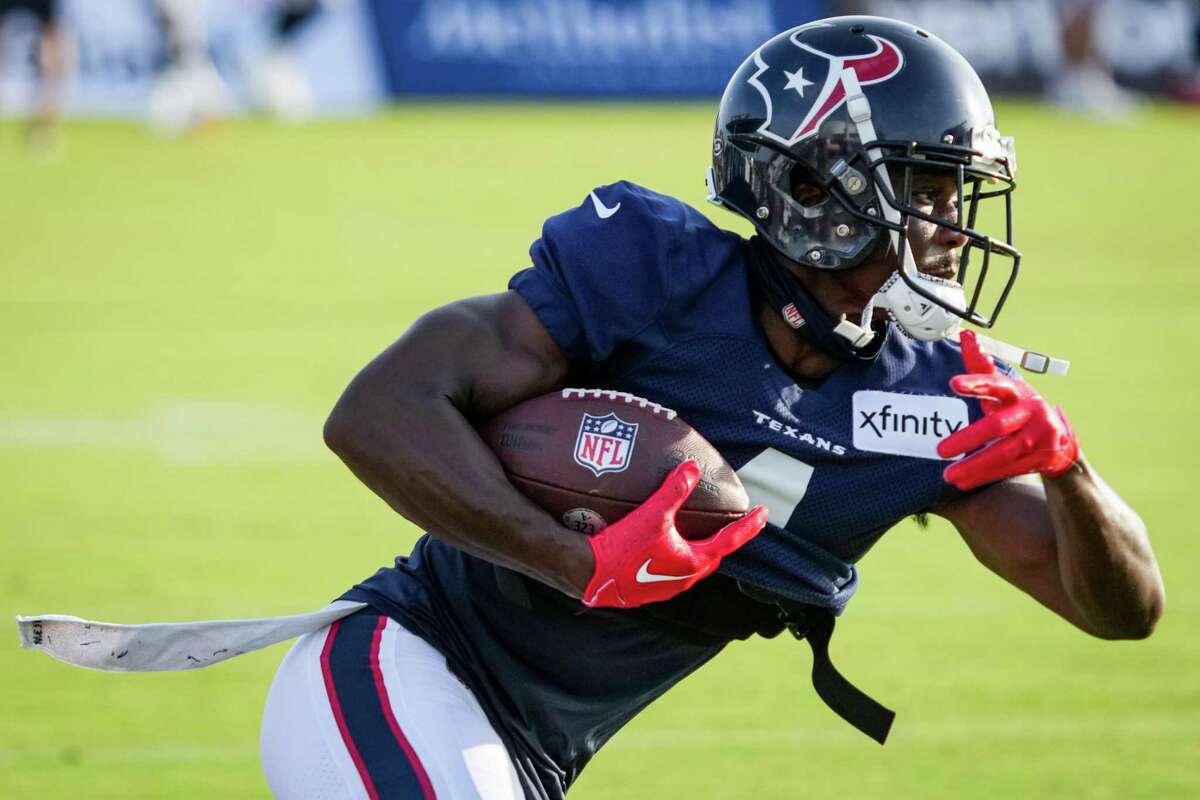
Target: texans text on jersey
{"type": "Point", "coordinates": [787, 430]}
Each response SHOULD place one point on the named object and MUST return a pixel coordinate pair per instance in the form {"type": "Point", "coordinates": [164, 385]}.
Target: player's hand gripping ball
{"type": "Point", "coordinates": [659, 504]}
{"type": "Point", "coordinates": [1026, 435]}
{"type": "Point", "coordinates": [641, 558]}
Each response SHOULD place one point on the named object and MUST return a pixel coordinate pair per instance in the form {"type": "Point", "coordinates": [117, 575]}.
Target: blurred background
{"type": "Point", "coordinates": [212, 214]}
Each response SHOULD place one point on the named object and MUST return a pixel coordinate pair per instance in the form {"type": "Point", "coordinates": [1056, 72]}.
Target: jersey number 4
{"type": "Point", "coordinates": [777, 481]}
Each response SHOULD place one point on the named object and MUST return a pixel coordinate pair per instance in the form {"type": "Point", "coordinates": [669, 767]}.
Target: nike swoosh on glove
{"type": "Point", "coordinates": [1026, 434]}
{"type": "Point", "coordinates": [641, 558]}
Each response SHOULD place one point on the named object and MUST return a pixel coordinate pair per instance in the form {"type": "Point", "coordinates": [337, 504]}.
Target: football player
{"type": "Point", "coordinates": [55, 58]}
{"type": "Point", "coordinates": [277, 81]}
{"type": "Point", "coordinates": [822, 357]}
{"type": "Point", "coordinates": [189, 92]}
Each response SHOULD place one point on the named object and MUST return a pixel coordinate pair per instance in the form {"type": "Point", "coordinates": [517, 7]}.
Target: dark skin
{"type": "Point", "coordinates": [404, 426]}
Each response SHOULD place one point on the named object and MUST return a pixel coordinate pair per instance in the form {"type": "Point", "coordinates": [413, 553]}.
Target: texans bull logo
{"type": "Point", "coordinates": [807, 84]}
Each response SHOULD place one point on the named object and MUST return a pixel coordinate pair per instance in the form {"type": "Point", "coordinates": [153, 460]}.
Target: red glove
{"type": "Point", "coordinates": [641, 558]}
{"type": "Point", "coordinates": [1029, 435]}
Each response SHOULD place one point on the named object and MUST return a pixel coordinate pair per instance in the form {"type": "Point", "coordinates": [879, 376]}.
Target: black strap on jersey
{"type": "Point", "coordinates": [693, 616]}
{"type": "Point", "coordinates": [847, 700]}
{"type": "Point", "coordinates": [784, 292]}
{"type": "Point", "coordinates": [815, 624]}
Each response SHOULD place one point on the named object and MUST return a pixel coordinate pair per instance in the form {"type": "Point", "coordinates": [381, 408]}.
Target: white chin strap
{"type": "Point", "coordinates": [1029, 360]}
{"type": "Point", "coordinates": [915, 314]}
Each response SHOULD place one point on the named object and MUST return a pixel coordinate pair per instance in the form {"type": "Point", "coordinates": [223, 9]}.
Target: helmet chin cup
{"type": "Point", "coordinates": [916, 315]}
{"type": "Point", "coordinates": [859, 335]}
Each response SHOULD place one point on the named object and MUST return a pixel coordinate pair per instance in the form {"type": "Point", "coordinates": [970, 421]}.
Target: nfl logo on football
{"type": "Point", "coordinates": [605, 443]}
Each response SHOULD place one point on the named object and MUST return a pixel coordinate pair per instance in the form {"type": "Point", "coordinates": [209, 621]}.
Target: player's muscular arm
{"type": "Point", "coordinates": [1065, 536]}
{"type": "Point", "coordinates": [1072, 543]}
{"type": "Point", "coordinates": [403, 426]}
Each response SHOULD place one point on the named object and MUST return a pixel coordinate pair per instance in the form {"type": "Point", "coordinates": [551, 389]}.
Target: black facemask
{"type": "Point", "coordinates": [792, 301]}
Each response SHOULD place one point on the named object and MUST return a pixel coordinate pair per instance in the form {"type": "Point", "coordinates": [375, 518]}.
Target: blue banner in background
{"type": "Point", "coordinates": [576, 48]}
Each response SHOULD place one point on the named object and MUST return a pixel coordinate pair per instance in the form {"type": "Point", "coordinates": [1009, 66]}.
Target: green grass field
{"type": "Point", "coordinates": [176, 318]}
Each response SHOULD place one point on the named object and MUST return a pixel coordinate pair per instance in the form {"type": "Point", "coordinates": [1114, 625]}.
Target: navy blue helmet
{"type": "Point", "coordinates": [818, 135]}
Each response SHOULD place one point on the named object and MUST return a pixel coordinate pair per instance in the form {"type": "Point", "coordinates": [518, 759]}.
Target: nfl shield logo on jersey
{"type": "Point", "coordinates": [605, 443]}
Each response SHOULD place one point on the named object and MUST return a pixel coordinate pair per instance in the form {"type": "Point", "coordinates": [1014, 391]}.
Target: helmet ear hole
{"type": "Point", "coordinates": [742, 127]}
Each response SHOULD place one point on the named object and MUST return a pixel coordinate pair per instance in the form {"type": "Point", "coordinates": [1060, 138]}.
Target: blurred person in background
{"type": "Point", "coordinates": [1086, 83]}
{"type": "Point", "coordinates": [189, 93]}
{"type": "Point", "coordinates": [192, 92]}
{"type": "Point", "coordinates": [53, 61]}
{"type": "Point", "coordinates": [1186, 86]}
{"type": "Point", "coordinates": [279, 86]}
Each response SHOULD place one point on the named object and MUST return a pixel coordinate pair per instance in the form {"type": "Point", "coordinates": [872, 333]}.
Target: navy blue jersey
{"type": "Point", "coordinates": [644, 295]}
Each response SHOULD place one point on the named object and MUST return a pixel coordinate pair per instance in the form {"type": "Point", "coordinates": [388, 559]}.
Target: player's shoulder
{"type": "Point", "coordinates": [938, 361]}
{"type": "Point", "coordinates": [624, 228]}
{"type": "Point", "coordinates": [625, 260]}
{"type": "Point", "coordinates": [631, 217]}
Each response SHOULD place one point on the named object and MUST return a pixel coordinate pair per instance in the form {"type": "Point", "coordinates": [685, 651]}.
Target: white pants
{"type": "Point", "coordinates": [365, 709]}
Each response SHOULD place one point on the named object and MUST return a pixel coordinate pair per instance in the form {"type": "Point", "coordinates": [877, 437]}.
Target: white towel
{"type": "Point", "coordinates": [166, 646]}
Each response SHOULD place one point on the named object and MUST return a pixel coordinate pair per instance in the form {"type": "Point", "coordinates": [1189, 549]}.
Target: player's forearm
{"type": "Point", "coordinates": [1107, 565]}
{"type": "Point", "coordinates": [420, 455]}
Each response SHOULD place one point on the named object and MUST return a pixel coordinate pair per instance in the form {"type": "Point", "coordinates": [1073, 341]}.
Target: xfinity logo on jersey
{"type": "Point", "coordinates": [605, 443]}
{"type": "Point", "coordinates": [905, 424]}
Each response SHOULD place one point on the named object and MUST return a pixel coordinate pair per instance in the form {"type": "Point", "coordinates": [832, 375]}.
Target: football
{"type": "Point", "coordinates": [590, 456]}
